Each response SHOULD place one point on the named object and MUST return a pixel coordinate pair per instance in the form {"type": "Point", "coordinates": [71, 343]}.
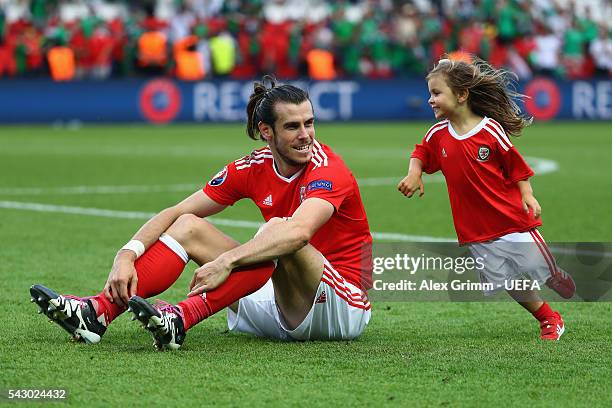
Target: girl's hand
{"type": "Point", "coordinates": [530, 203]}
{"type": "Point", "coordinates": [410, 184]}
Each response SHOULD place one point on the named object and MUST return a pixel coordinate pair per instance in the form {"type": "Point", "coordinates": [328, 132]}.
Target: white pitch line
{"type": "Point", "coordinates": [118, 189]}
{"type": "Point", "coordinates": [132, 189]}
{"type": "Point", "coordinates": [394, 236]}
{"type": "Point", "coordinates": [539, 165]}
{"type": "Point", "coordinates": [393, 181]}
{"type": "Point", "coordinates": [99, 212]}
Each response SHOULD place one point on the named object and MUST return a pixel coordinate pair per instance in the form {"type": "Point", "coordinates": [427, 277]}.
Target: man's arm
{"type": "Point", "coordinates": [276, 240]}
{"type": "Point", "coordinates": [198, 203]}
{"type": "Point", "coordinates": [284, 237]}
{"type": "Point", "coordinates": [122, 279]}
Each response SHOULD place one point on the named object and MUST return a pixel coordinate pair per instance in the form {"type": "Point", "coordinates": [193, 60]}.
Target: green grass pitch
{"type": "Point", "coordinates": [412, 353]}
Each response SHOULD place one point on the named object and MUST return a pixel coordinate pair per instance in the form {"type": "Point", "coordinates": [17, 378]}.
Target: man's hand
{"type": "Point", "coordinates": [410, 184]}
{"type": "Point", "coordinates": [530, 202]}
{"type": "Point", "coordinates": [209, 276]}
{"type": "Point", "coordinates": [122, 279]}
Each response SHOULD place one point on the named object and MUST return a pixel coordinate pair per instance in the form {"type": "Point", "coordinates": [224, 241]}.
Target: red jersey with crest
{"type": "Point", "coordinates": [344, 240]}
{"type": "Point", "coordinates": [482, 169]}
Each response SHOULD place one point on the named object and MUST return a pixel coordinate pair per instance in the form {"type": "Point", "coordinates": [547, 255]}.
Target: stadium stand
{"type": "Point", "coordinates": [301, 38]}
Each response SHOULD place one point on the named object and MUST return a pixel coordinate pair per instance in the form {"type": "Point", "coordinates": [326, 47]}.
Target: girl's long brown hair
{"type": "Point", "coordinates": [491, 92]}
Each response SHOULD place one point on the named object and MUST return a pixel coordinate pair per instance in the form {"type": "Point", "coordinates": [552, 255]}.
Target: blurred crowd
{"type": "Point", "coordinates": [197, 39]}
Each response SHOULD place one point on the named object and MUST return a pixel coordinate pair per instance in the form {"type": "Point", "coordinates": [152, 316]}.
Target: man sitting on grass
{"type": "Point", "coordinates": [303, 276]}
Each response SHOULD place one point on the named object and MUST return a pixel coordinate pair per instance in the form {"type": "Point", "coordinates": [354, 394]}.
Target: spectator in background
{"type": "Point", "coordinates": [485, 10]}
{"type": "Point", "coordinates": [432, 35]}
{"type": "Point", "coordinates": [321, 63]}
{"type": "Point", "coordinates": [39, 10]}
{"type": "Point", "coordinates": [31, 41]}
{"type": "Point", "coordinates": [8, 64]}
{"type": "Point", "coordinates": [301, 40]}
{"type": "Point", "coordinates": [248, 48]}
{"type": "Point", "coordinates": [558, 19]}
{"type": "Point", "coordinates": [181, 23]}
{"type": "Point", "coordinates": [406, 24]}
{"type": "Point", "coordinates": [102, 50]}
{"type": "Point", "coordinates": [223, 53]}
{"type": "Point", "coordinates": [203, 48]}
{"type": "Point", "coordinates": [587, 25]}
{"type": "Point", "coordinates": [547, 50]}
{"type": "Point", "coordinates": [506, 21]}
{"type": "Point", "coordinates": [465, 9]}
{"type": "Point", "coordinates": [152, 44]}
{"type": "Point", "coordinates": [62, 64]}
{"type": "Point", "coordinates": [471, 36]}
{"type": "Point", "coordinates": [274, 37]}
{"type": "Point", "coordinates": [189, 63]}
{"type": "Point", "coordinates": [600, 51]}
{"type": "Point", "coordinates": [572, 50]}
{"type": "Point", "coordinates": [208, 8]}
{"type": "Point", "coordinates": [407, 54]}
{"type": "Point", "coordinates": [119, 56]}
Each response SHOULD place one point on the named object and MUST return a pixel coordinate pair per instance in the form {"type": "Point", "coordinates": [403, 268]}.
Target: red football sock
{"type": "Point", "coordinates": [241, 282]}
{"type": "Point", "coordinates": [158, 268]}
{"type": "Point", "coordinates": [543, 313]}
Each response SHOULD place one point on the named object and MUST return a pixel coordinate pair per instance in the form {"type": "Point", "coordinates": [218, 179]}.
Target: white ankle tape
{"type": "Point", "coordinates": [174, 246]}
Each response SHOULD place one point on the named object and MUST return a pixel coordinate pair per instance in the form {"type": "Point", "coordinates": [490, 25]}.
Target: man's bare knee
{"type": "Point", "coordinates": [202, 240]}
{"type": "Point", "coordinates": [186, 228]}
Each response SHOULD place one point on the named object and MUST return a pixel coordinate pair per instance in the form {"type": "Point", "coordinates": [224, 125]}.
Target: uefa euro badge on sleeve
{"type": "Point", "coordinates": [219, 178]}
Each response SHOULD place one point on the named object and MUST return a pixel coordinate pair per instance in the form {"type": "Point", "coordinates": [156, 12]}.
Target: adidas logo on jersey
{"type": "Point", "coordinates": [268, 201]}
{"type": "Point", "coordinates": [444, 153]}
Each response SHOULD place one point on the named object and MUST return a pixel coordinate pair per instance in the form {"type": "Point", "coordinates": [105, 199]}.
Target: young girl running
{"type": "Point", "coordinates": [494, 210]}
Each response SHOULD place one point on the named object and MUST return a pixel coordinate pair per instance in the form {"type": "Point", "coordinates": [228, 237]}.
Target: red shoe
{"type": "Point", "coordinates": [562, 283]}
{"type": "Point", "coordinates": [552, 328]}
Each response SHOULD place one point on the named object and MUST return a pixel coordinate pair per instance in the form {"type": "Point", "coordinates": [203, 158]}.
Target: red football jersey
{"type": "Point", "coordinates": [482, 169]}
{"type": "Point", "coordinates": [344, 240]}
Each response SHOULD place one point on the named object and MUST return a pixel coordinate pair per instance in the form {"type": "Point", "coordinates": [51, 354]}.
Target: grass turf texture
{"type": "Point", "coordinates": [412, 354]}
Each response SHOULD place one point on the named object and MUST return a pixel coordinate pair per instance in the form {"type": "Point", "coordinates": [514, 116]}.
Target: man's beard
{"type": "Point", "coordinates": [284, 154]}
